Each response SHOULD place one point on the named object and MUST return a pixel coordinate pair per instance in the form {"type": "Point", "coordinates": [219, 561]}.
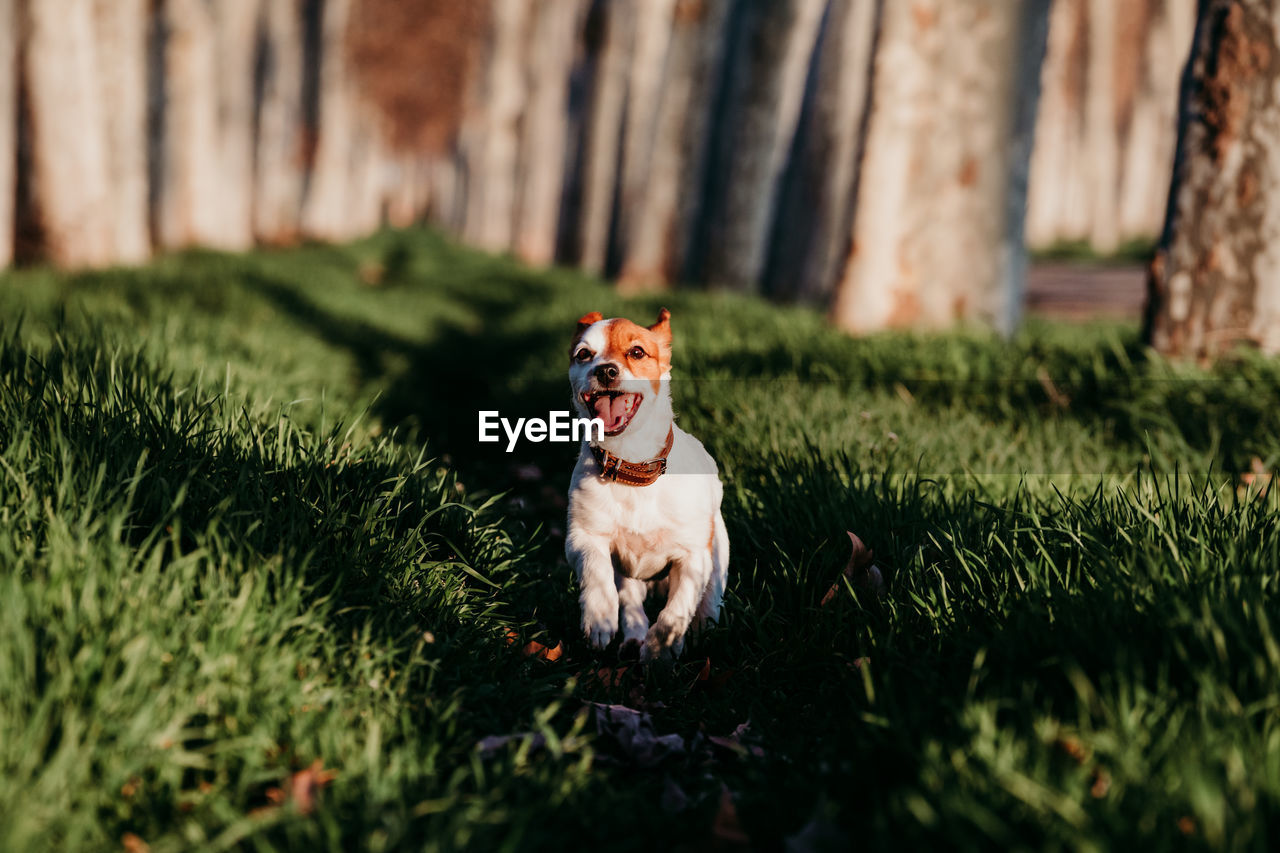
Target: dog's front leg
{"type": "Point", "coordinates": [598, 595]}
{"type": "Point", "coordinates": [635, 624]}
{"type": "Point", "coordinates": [689, 575]}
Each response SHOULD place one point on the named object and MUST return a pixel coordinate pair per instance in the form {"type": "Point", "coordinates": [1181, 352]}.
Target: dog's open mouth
{"type": "Point", "coordinates": [615, 408]}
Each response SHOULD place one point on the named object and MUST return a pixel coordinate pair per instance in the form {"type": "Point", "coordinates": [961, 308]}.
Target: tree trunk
{"type": "Point", "coordinates": [660, 221]}
{"type": "Point", "coordinates": [1107, 122]}
{"type": "Point", "coordinates": [1151, 131]}
{"type": "Point", "coordinates": [122, 71]}
{"type": "Point", "coordinates": [645, 82]}
{"type": "Point", "coordinates": [492, 142]}
{"type": "Point", "coordinates": [69, 143]}
{"type": "Point", "coordinates": [8, 126]}
{"type": "Point", "coordinates": [189, 192]}
{"type": "Point", "coordinates": [279, 151]}
{"type": "Point", "coordinates": [815, 213]}
{"type": "Point", "coordinates": [769, 75]}
{"type": "Point", "coordinates": [937, 233]}
{"type": "Point", "coordinates": [545, 128]}
{"type": "Point", "coordinates": [1215, 280]}
{"type": "Point", "coordinates": [603, 132]}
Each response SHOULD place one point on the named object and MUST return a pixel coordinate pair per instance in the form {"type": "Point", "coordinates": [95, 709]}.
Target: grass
{"type": "Point", "coordinates": [245, 526]}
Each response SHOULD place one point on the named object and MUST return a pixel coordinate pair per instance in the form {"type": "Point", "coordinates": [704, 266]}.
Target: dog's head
{"type": "Point", "coordinates": [617, 369]}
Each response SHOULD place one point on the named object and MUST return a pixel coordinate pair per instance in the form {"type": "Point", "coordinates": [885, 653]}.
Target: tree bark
{"type": "Point", "coordinates": [1215, 280]}
{"type": "Point", "coordinates": [660, 221]}
{"type": "Point", "coordinates": [279, 152]}
{"type": "Point", "coordinates": [815, 213]}
{"type": "Point", "coordinates": [545, 128]}
{"type": "Point", "coordinates": [492, 143]}
{"type": "Point", "coordinates": [937, 234]}
{"type": "Point", "coordinates": [8, 127]}
{"type": "Point", "coordinates": [770, 75]}
{"type": "Point", "coordinates": [603, 132]}
{"type": "Point", "coordinates": [121, 27]}
{"type": "Point", "coordinates": [69, 143]}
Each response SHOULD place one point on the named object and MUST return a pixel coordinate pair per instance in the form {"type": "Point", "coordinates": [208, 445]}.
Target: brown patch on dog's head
{"type": "Point", "coordinates": [646, 352]}
{"type": "Point", "coordinates": [586, 321]}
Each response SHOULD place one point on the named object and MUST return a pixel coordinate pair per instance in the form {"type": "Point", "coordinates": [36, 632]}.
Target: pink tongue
{"type": "Point", "coordinates": [612, 410]}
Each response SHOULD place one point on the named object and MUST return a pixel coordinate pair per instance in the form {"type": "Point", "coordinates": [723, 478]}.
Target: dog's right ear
{"type": "Point", "coordinates": [586, 320]}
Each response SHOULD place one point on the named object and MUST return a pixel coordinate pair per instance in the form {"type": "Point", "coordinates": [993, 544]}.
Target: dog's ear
{"type": "Point", "coordinates": [662, 331]}
{"type": "Point", "coordinates": [586, 320]}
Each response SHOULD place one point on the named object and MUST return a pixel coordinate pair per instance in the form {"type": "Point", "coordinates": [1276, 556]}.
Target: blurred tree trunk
{"type": "Point", "coordinates": [279, 146]}
{"type": "Point", "coordinates": [652, 33]}
{"type": "Point", "coordinates": [190, 209]}
{"type": "Point", "coordinates": [544, 133]}
{"type": "Point", "coordinates": [937, 233]}
{"type": "Point", "coordinates": [666, 202]}
{"type": "Point", "coordinates": [341, 201]}
{"type": "Point", "coordinates": [492, 143]}
{"type": "Point", "coordinates": [68, 141]}
{"type": "Point", "coordinates": [1107, 122]}
{"type": "Point", "coordinates": [1101, 139]}
{"type": "Point", "coordinates": [1149, 133]}
{"type": "Point", "coordinates": [815, 211]}
{"type": "Point", "coordinates": [604, 131]}
{"type": "Point", "coordinates": [1215, 280]}
{"type": "Point", "coordinates": [8, 126]}
{"type": "Point", "coordinates": [769, 75]}
{"type": "Point", "coordinates": [122, 28]}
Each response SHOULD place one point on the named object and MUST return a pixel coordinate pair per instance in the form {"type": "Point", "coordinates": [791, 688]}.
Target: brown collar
{"type": "Point", "coordinates": [633, 473]}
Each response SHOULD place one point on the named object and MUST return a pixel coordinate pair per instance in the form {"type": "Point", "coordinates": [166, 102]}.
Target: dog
{"type": "Point", "coordinates": [644, 501]}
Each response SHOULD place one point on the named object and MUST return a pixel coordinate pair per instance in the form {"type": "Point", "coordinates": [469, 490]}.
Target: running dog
{"type": "Point", "coordinates": [644, 503]}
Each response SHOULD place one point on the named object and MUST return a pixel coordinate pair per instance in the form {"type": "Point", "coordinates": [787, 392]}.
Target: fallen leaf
{"type": "Point", "coordinates": [726, 830]}
{"type": "Point", "coordinates": [1101, 783]}
{"type": "Point", "coordinates": [534, 649]}
{"type": "Point", "coordinates": [491, 745]}
{"type": "Point", "coordinates": [305, 785]}
{"type": "Point", "coordinates": [861, 570]}
{"type": "Point", "coordinates": [734, 744]}
{"type": "Point", "coordinates": [1073, 747]}
{"type": "Point", "coordinates": [129, 788]}
{"type": "Point", "coordinates": [1256, 475]}
{"type": "Point", "coordinates": [633, 733]}
{"type": "Point", "coordinates": [611, 676]}
{"type": "Point", "coordinates": [133, 844]}
{"type": "Point", "coordinates": [1187, 825]}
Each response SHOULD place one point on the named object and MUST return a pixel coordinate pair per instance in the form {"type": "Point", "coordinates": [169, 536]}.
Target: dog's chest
{"type": "Point", "coordinates": [643, 535]}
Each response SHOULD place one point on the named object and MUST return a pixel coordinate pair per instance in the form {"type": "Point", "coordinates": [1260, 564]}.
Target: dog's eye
{"type": "Point", "coordinates": [636, 353]}
{"type": "Point", "coordinates": [583, 354]}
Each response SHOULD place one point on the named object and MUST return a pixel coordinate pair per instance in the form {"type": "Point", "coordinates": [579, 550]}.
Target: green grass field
{"type": "Point", "coordinates": [245, 526]}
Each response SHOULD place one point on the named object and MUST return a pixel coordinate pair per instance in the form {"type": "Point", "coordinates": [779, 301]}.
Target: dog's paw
{"type": "Point", "coordinates": [600, 628]}
{"type": "Point", "coordinates": [631, 651]}
{"type": "Point", "coordinates": [664, 639]}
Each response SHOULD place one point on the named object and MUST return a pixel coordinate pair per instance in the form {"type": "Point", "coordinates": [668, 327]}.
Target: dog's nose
{"type": "Point", "coordinates": [607, 373]}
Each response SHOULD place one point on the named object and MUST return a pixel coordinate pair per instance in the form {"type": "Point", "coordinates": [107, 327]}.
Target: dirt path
{"type": "Point", "coordinates": [1080, 292]}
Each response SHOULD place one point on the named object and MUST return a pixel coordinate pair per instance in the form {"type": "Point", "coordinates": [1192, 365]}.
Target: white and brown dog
{"type": "Point", "coordinates": [644, 503]}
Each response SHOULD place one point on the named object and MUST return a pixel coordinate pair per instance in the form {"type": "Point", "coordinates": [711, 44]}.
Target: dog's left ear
{"type": "Point", "coordinates": [587, 320]}
{"type": "Point", "coordinates": [662, 331]}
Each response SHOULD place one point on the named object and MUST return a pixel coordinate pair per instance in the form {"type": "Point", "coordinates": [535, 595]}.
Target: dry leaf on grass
{"type": "Point", "coordinates": [536, 650]}
{"type": "Point", "coordinates": [632, 732]}
{"type": "Point", "coordinates": [491, 745]}
{"type": "Point", "coordinates": [1257, 476]}
{"type": "Point", "coordinates": [734, 744]}
{"type": "Point", "coordinates": [861, 570]}
{"type": "Point", "coordinates": [726, 830]}
{"type": "Point", "coordinates": [133, 844]}
{"type": "Point", "coordinates": [305, 785]}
